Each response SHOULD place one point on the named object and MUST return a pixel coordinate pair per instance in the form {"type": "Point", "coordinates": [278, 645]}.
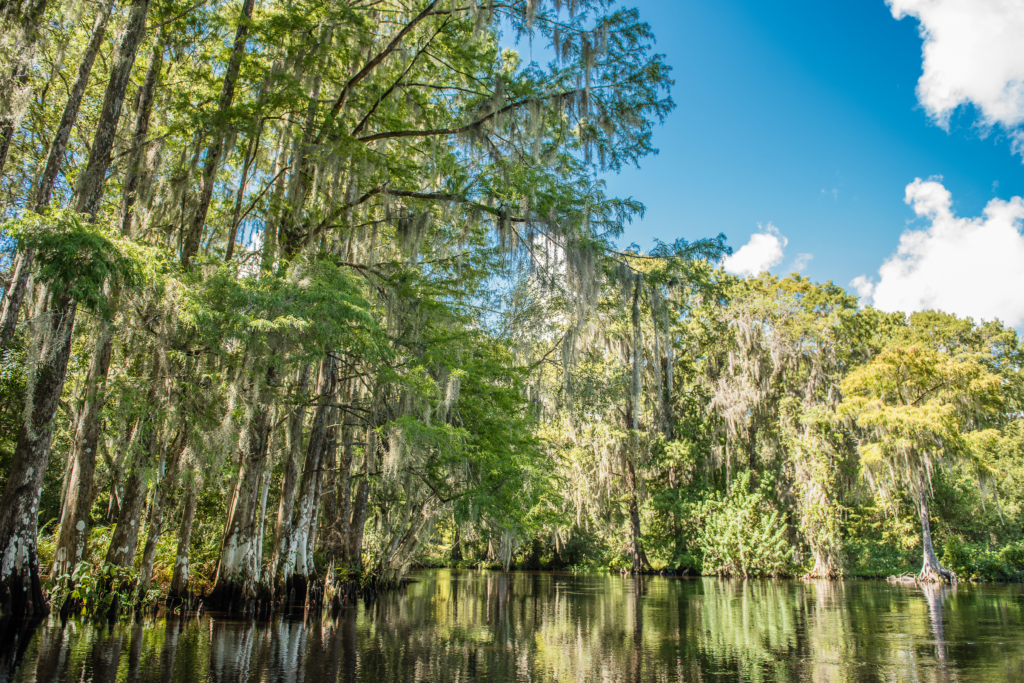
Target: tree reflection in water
{"type": "Point", "coordinates": [465, 626]}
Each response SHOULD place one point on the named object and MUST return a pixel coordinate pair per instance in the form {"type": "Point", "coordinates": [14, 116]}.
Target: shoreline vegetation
{"type": "Point", "coordinates": [300, 296]}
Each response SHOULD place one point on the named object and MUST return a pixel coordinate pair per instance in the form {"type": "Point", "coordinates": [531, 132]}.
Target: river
{"type": "Point", "coordinates": [520, 626]}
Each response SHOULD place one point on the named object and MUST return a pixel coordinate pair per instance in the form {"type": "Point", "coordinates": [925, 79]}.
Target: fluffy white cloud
{"type": "Point", "coordinates": [967, 266]}
{"type": "Point", "coordinates": [972, 54]}
{"type": "Point", "coordinates": [763, 251]}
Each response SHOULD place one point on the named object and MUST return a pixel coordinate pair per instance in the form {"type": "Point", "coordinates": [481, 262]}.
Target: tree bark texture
{"type": "Point", "coordinates": [157, 509]}
{"type": "Point", "coordinates": [295, 567]}
{"type": "Point", "coordinates": [92, 179]}
{"type": "Point", "coordinates": [59, 146]}
{"type": "Point", "coordinates": [136, 155]}
{"type": "Point", "coordinates": [640, 561]}
{"type": "Point", "coordinates": [124, 542]}
{"type": "Point", "coordinates": [360, 500]}
{"type": "Point", "coordinates": [931, 569]}
{"type": "Point", "coordinates": [74, 526]}
{"type": "Point", "coordinates": [20, 590]}
{"type": "Point", "coordinates": [286, 505]}
{"type": "Point", "coordinates": [15, 295]}
{"type": "Point", "coordinates": [179, 578]}
{"type": "Point", "coordinates": [338, 542]}
{"type": "Point", "coordinates": [237, 574]}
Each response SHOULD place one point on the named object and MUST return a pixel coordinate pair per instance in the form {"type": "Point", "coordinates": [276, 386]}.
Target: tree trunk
{"type": "Point", "coordinates": [179, 579]}
{"type": "Point", "coordinates": [243, 184]}
{"type": "Point", "coordinates": [74, 526]}
{"type": "Point", "coordinates": [92, 179]}
{"type": "Point", "coordinates": [9, 110]}
{"type": "Point", "coordinates": [157, 510]}
{"type": "Point", "coordinates": [300, 180]}
{"type": "Point", "coordinates": [456, 552]}
{"type": "Point", "coordinates": [20, 590]}
{"type": "Point", "coordinates": [640, 561]}
{"type": "Point", "coordinates": [138, 145]}
{"type": "Point", "coordinates": [338, 543]}
{"type": "Point", "coordinates": [190, 244]}
{"type": "Point", "coordinates": [124, 542]}
{"type": "Point", "coordinates": [294, 572]}
{"type": "Point", "coordinates": [264, 492]}
{"type": "Point", "coordinates": [931, 570]}
{"type": "Point", "coordinates": [15, 294]}
{"type": "Point", "coordinates": [237, 573]}
{"type": "Point", "coordinates": [359, 504]}
{"type": "Point", "coordinates": [286, 506]}
{"type": "Point", "coordinates": [59, 146]}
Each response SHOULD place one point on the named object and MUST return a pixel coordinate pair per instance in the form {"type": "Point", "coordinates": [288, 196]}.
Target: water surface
{"type": "Point", "coordinates": [466, 626]}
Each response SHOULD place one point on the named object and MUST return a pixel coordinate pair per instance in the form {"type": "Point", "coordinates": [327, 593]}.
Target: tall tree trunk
{"type": "Point", "coordinates": [360, 501]}
{"type": "Point", "coordinates": [237, 573]}
{"type": "Point", "coordinates": [124, 542]}
{"type": "Point", "coordinates": [190, 244]}
{"type": "Point", "coordinates": [15, 294]}
{"type": "Point", "coordinates": [640, 561]}
{"type": "Point", "coordinates": [264, 493]}
{"type": "Point", "coordinates": [74, 525]}
{"type": "Point", "coordinates": [243, 184]}
{"type": "Point", "coordinates": [90, 192]}
{"type": "Point", "coordinates": [59, 146]}
{"type": "Point", "coordinates": [300, 180]}
{"type": "Point", "coordinates": [20, 590]}
{"type": "Point", "coordinates": [931, 570]}
{"type": "Point", "coordinates": [294, 571]}
{"type": "Point", "coordinates": [136, 154]}
{"type": "Point", "coordinates": [179, 578]}
{"type": "Point", "coordinates": [338, 544]}
{"type": "Point", "coordinates": [92, 179]}
{"type": "Point", "coordinates": [286, 506]}
{"type": "Point", "coordinates": [75, 522]}
{"type": "Point", "coordinates": [157, 509]}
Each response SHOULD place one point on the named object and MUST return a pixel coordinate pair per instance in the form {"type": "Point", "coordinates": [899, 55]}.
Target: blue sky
{"type": "Point", "coordinates": [804, 115]}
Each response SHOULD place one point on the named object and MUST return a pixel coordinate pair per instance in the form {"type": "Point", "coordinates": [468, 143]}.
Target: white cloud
{"type": "Point", "coordinates": [763, 251]}
{"type": "Point", "coordinates": [972, 54]}
{"type": "Point", "coordinates": [800, 262]}
{"type": "Point", "coordinates": [967, 266]}
{"type": "Point", "coordinates": [864, 287]}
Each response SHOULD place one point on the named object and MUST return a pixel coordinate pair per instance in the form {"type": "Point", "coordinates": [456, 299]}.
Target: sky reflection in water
{"type": "Point", "coordinates": [464, 626]}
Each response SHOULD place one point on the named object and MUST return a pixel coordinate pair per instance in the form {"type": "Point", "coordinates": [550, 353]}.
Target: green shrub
{"type": "Point", "coordinates": [977, 562]}
{"type": "Point", "coordinates": [1013, 555]}
{"type": "Point", "coordinates": [743, 534]}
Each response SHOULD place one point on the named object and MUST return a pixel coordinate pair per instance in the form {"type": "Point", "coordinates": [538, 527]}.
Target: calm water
{"type": "Point", "coordinates": [465, 626]}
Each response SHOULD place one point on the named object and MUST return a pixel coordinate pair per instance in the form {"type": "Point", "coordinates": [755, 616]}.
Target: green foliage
{"type": "Point", "coordinates": [878, 545]}
{"type": "Point", "coordinates": [97, 590]}
{"type": "Point", "coordinates": [743, 534]}
{"type": "Point", "coordinates": [77, 257]}
{"type": "Point", "coordinates": [978, 562]}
